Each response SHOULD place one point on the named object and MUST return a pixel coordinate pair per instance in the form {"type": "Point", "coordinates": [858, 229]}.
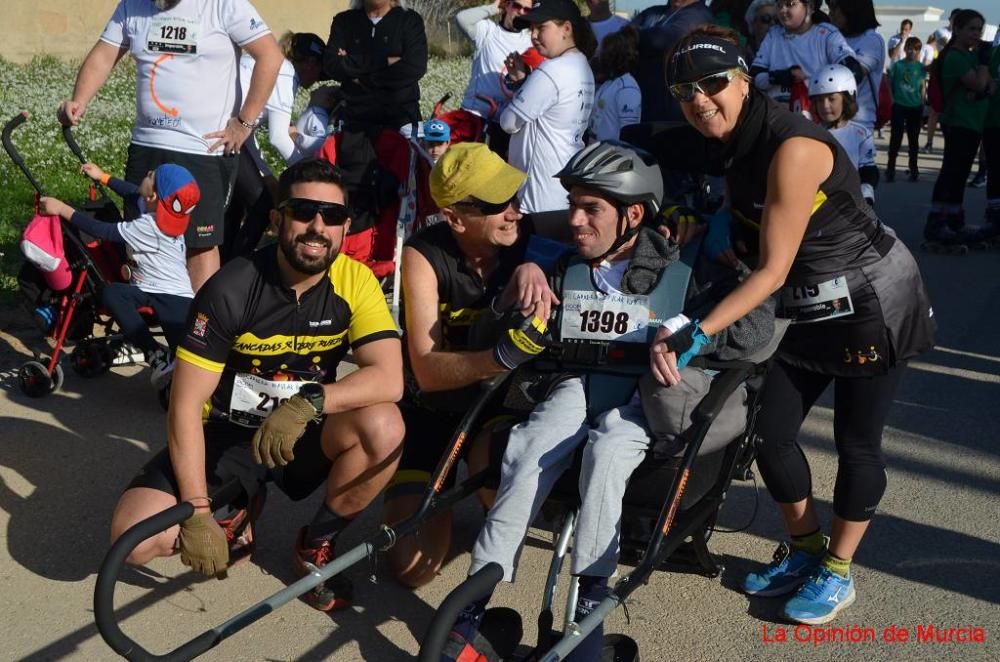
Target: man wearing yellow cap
{"type": "Point", "coordinates": [451, 273]}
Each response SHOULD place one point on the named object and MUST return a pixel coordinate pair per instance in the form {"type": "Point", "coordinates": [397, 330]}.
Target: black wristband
{"type": "Point", "coordinates": [246, 125]}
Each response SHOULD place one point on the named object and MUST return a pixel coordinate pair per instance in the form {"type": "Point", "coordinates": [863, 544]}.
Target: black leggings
{"type": "Point", "coordinates": [249, 210]}
{"type": "Point", "coordinates": [991, 141]}
{"type": "Point", "coordinates": [961, 146]}
{"type": "Point", "coordinates": [861, 405]}
{"type": "Point", "coordinates": [908, 118]}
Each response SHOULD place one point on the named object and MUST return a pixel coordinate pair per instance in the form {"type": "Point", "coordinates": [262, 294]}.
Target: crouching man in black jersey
{"type": "Point", "coordinates": [255, 393]}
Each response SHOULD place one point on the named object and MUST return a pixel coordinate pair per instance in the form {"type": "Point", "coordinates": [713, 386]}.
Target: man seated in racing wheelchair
{"type": "Point", "coordinates": [625, 282]}
{"type": "Point", "coordinates": [452, 271]}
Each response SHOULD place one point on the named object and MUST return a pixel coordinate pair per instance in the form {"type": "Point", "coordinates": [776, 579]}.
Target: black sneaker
{"type": "Point", "coordinates": [890, 175]}
{"type": "Point", "coordinates": [979, 181]}
{"type": "Point", "coordinates": [914, 176]}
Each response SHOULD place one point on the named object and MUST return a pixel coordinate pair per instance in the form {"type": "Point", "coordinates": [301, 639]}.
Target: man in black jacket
{"type": "Point", "coordinates": [378, 52]}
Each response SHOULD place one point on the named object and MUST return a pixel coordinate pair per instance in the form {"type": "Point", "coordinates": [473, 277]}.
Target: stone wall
{"type": "Point", "coordinates": [68, 28]}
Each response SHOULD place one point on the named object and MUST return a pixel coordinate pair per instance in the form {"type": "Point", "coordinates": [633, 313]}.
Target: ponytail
{"type": "Point", "coordinates": [584, 38]}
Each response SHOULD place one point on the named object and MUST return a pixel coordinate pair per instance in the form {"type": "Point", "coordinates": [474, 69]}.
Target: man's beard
{"type": "Point", "coordinates": [308, 264]}
{"type": "Point", "coordinates": [164, 5]}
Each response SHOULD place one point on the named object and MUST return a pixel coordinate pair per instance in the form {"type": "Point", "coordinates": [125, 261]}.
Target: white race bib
{"type": "Point", "coordinates": [816, 303]}
{"type": "Point", "coordinates": [590, 315]}
{"type": "Point", "coordinates": [254, 398]}
{"type": "Point", "coordinates": [176, 35]}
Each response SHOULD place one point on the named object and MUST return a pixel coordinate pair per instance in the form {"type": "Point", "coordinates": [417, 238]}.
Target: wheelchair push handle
{"type": "Point", "coordinates": [114, 561]}
{"type": "Point", "coordinates": [67, 133]}
{"type": "Point", "coordinates": [15, 156]}
{"type": "Point", "coordinates": [476, 587]}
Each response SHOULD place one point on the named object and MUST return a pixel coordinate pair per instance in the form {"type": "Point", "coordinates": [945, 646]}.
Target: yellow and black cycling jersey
{"type": "Point", "coordinates": [248, 325]}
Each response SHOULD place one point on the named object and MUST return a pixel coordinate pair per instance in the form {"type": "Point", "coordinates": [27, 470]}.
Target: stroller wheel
{"type": "Point", "coordinates": [91, 358]}
{"type": "Point", "coordinates": [36, 382]}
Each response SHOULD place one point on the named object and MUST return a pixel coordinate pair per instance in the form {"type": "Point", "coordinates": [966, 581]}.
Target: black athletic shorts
{"type": "Point", "coordinates": [228, 456]}
{"type": "Point", "coordinates": [428, 437]}
{"type": "Point", "coordinates": [216, 176]}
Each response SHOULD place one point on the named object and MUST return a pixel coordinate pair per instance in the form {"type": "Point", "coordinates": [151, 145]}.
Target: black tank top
{"type": "Point", "coordinates": [462, 298]}
{"type": "Point", "coordinates": [891, 319]}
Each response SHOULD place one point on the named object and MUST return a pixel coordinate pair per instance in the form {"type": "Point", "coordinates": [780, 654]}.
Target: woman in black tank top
{"type": "Point", "coordinates": [850, 290]}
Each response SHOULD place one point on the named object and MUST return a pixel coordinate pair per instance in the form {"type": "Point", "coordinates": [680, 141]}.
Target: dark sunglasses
{"type": "Point", "coordinates": [305, 210]}
{"type": "Point", "coordinates": [709, 86]}
{"type": "Point", "coordinates": [517, 8]}
{"type": "Point", "coordinates": [766, 19]}
{"type": "Point", "coordinates": [487, 208]}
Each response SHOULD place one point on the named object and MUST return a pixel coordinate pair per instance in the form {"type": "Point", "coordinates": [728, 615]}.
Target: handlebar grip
{"type": "Point", "coordinates": [67, 132]}
{"type": "Point", "coordinates": [15, 156]}
{"type": "Point", "coordinates": [474, 588]}
{"type": "Point", "coordinates": [114, 560]}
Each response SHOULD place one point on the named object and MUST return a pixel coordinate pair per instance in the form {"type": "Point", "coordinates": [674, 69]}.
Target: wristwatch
{"type": "Point", "coordinates": [315, 395]}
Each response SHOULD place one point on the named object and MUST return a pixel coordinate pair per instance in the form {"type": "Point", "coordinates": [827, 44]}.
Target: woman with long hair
{"type": "Point", "coordinates": [618, 101]}
{"type": "Point", "coordinates": [850, 290]}
{"type": "Point", "coordinates": [963, 72]}
{"type": "Point", "coordinates": [856, 19]}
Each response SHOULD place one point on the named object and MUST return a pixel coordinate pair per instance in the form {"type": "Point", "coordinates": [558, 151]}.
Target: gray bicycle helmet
{"type": "Point", "coordinates": [619, 170]}
{"type": "Point", "coordinates": [625, 174]}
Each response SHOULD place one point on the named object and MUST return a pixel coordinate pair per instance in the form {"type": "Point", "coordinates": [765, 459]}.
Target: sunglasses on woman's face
{"type": "Point", "coordinates": [487, 208]}
{"type": "Point", "coordinates": [305, 210]}
{"type": "Point", "coordinates": [709, 86]}
{"type": "Point", "coordinates": [517, 8]}
{"type": "Point", "coordinates": [766, 19]}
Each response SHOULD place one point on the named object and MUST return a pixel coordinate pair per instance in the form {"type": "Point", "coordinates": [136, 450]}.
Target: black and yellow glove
{"type": "Point", "coordinates": [521, 342]}
{"type": "Point", "coordinates": [675, 216]}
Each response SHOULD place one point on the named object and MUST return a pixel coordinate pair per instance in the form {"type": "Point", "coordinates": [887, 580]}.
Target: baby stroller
{"type": "Point", "coordinates": [656, 523]}
{"type": "Point", "coordinates": [70, 310]}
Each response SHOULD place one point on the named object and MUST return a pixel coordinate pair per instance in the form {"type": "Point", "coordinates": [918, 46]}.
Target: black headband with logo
{"type": "Point", "coordinates": [703, 57]}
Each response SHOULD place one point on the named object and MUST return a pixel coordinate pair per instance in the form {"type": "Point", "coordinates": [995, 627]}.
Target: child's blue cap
{"type": "Point", "coordinates": [437, 131]}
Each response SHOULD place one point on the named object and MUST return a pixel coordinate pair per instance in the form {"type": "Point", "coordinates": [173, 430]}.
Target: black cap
{"type": "Point", "coordinates": [306, 44]}
{"type": "Point", "coordinates": [548, 10]}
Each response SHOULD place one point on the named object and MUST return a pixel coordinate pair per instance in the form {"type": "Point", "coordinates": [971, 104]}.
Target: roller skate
{"type": "Point", "coordinates": [988, 236]}
{"type": "Point", "coordinates": [944, 234]}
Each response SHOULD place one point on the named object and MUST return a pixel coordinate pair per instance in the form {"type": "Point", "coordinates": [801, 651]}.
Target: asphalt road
{"type": "Point", "coordinates": [932, 556]}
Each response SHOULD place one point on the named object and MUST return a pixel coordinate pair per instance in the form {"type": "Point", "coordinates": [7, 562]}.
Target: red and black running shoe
{"type": "Point", "coordinates": [336, 592]}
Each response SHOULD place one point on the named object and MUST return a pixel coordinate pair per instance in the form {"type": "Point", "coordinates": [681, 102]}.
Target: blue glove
{"type": "Point", "coordinates": [717, 238]}
{"type": "Point", "coordinates": [687, 342]}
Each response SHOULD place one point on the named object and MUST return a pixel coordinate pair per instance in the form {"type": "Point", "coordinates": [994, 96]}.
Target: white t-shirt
{"type": "Point", "coordinates": [493, 45]}
{"type": "Point", "coordinates": [821, 45]}
{"type": "Point", "coordinates": [555, 103]}
{"type": "Point", "coordinates": [278, 109]}
{"type": "Point", "coordinates": [617, 103]}
{"type": "Point", "coordinates": [186, 67]}
{"type": "Point", "coordinates": [857, 141]}
{"type": "Point", "coordinates": [869, 49]}
{"type": "Point", "coordinates": [603, 28]}
{"type": "Point", "coordinates": [927, 55]}
{"type": "Point", "coordinates": [158, 262]}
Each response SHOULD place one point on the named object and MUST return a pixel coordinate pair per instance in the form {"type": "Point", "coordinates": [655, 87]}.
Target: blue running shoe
{"type": "Point", "coordinates": [821, 598]}
{"type": "Point", "coordinates": [786, 572]}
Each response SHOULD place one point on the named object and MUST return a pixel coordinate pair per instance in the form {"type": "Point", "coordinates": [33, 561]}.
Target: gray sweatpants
{"type": "Point", "coordinates": [538, 452]}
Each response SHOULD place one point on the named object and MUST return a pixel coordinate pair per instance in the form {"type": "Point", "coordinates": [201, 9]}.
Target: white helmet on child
{"type": "Point", "coordinates": [833, 78]}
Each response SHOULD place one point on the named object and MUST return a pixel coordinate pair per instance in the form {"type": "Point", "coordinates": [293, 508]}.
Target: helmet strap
{"type": "Point", "coordinates": [624, 234]}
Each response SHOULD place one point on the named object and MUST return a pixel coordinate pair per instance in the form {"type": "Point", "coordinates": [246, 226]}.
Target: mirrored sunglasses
{"type": "Point", "coordinates": [709, 86]}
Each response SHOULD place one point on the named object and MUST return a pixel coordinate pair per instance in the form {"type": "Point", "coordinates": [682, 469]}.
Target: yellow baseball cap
{"type": "Point", "coordinates": [471, 170]}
